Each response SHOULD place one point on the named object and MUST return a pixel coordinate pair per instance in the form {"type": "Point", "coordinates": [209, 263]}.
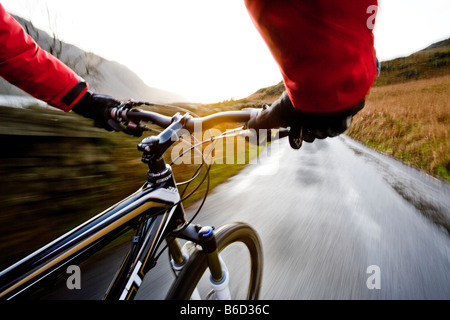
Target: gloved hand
{"type": "Point", "coordinates": [96, 106]}
{"type": "Point", "coordinates": [307, 127]}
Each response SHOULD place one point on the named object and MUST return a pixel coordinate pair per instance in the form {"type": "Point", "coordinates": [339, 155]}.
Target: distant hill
{"type": "Point", "coordinates": [268, 94]}
{"type": "Point", "coordinates": [431, 62]}
{"type": "Point", "coordinates": [104, 76]}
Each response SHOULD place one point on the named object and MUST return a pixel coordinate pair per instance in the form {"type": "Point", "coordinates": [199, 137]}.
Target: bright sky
{"type": "Point", "coordinates": [208, 50]}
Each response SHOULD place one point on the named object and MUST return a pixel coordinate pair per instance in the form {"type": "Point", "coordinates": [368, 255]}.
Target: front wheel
{"type": "Point", "coordinates": [240, 249]}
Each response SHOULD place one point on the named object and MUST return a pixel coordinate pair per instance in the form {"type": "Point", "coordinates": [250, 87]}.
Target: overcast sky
{"type": "Point", "coordinates": [208, 50]}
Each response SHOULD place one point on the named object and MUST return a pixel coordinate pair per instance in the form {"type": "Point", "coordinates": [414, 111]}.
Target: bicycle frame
{"type": "Point", "coordinates": [153, 210]}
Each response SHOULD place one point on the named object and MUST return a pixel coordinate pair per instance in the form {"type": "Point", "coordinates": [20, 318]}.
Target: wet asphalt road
{"type": "Point", "coordinates": [337, 221]}
{"type": "Point", "coordinates": [334, 214]}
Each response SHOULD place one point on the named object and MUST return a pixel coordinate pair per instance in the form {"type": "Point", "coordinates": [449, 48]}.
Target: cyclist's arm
{"type": "Point", "coordinates": [324, 48]}
{"type": "Point", "coordinates": [32, 69]}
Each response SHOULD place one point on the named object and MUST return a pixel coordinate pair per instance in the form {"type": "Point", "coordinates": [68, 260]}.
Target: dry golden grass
{"type": "Point", "coordinates": [409, 121]}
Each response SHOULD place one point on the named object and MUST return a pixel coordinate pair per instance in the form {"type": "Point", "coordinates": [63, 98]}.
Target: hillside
{"type": "Point", "coordinates": [431, 62]}
{"type": "Point", "coordinates": [107, 77]}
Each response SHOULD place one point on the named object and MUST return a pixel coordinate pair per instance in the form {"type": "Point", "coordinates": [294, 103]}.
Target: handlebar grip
{"type": "Point", "coordinates": [153, 117]}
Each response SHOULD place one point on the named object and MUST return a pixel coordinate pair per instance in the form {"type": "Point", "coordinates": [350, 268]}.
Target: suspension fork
{"type": "Point", "coordinates": [205, 237]}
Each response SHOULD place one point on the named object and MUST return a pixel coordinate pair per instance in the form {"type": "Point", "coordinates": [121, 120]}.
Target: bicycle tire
{"type": "Point", "coordinates": [231, 233]}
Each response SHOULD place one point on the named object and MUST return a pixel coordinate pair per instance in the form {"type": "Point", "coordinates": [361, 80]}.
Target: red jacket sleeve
{"type": "Point", "coordinates": [34, 70]}
{"type": "Point", "coordinates": [324, 49]}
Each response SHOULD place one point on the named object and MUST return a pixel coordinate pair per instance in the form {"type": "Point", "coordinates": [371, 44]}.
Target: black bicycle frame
{"type": "Point", "coordinates": [152, 211]}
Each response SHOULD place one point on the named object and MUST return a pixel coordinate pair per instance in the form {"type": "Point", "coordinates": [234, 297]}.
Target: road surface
{"type": "Point", "coordinates": [337, 221]}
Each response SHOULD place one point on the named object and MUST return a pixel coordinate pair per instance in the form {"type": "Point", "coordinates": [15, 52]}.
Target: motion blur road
{"type": "Point", "coordinates": [328, 211]}
{"type": "Point", "coordinates": [332, 216]}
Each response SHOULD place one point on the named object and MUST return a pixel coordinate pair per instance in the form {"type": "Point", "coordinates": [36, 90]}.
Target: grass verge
{"type": "Point", "coordinates": [410, 122]}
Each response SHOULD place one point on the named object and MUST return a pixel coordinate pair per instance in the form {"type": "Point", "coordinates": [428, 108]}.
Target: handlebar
{"type": "Point", "coordinates": [190, 123]}
{"type": "Point", "coordinates": [134, 117]}
{"type": "Point", "coordinates": [207, 122]}
{"type": "Point", "coordinates": [154, 147]}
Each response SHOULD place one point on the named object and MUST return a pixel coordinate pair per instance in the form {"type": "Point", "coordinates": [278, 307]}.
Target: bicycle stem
{"type": "Point", "coordinates": [154, 147]}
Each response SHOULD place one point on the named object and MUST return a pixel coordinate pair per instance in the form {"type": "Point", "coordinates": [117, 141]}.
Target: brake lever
{"type": "Point", "coordinates": [134, 129]}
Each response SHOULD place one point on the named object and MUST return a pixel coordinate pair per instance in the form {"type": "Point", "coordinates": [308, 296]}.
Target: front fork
{"type": "Point", "coordinates": [205, 237]}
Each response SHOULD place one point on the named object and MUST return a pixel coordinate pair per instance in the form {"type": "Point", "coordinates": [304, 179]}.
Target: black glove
{"type": "Point", "coordinates": [97, 107]}
{"type": "Point", "coordinates": [307, 127]}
